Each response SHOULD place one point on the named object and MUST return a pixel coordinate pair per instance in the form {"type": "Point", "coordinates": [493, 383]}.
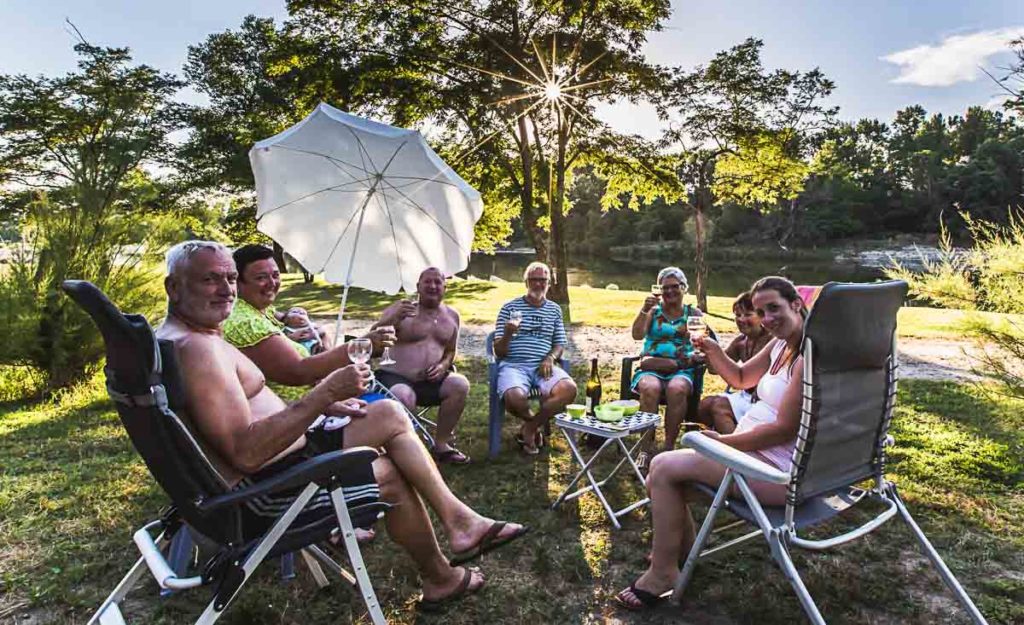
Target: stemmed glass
{"type": "Point", "coordinates": [359, 351]}
{"type": "Point", "coordinates": [656, 290]}
{"type": "Point", "coordinates": [516, 317]}
{"type": "Point", "coordinates": [696, 326]}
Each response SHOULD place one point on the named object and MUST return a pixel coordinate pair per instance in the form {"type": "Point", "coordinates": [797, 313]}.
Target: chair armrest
{"type": "Point", "coordinates": [734, 458]}
{"type": "Point", "coordinates": [627, 375]}
{"type": "Point", "coordinates": [317, 469]}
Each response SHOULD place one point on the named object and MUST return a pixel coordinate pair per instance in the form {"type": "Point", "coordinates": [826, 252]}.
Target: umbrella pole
{"type": "Point", "coordinates": [338, 336]}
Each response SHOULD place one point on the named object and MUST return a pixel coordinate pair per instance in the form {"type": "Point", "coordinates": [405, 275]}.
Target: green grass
{"type": "Point", "coordinates": [478, 301]}
{"type": "Point", "coordinates": [72, 491]}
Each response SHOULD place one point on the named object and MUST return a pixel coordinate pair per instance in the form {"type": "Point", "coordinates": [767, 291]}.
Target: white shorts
{"type": "Point", "coordinates": [515, 375]}
{"type": "Point", "coordinates": [740, 401]}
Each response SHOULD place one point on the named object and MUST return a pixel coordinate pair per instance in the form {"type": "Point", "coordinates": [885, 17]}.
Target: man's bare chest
{"type": "Point", "coordinates": [426, 328]}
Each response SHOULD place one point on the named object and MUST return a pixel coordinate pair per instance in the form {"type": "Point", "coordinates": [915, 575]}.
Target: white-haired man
{"type": "Point", "coordinates": [256, 435]}
{"type": "Point", "coordinates": [529, 337]}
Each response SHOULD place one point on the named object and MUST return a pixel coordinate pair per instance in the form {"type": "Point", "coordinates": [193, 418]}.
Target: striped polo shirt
{"type": "Point", "coordinates": [541, 329]}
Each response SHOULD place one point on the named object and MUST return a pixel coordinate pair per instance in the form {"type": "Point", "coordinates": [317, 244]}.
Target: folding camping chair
{"type": "Point", "coordinates": [496, 404]}
{"type": "Point", "coordinates": [849, 392]}
{"type": "Point", "coordinates": [143, 381]}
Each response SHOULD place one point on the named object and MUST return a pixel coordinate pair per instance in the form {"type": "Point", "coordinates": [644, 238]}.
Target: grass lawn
{"type": "Point", "coordinates": [478, 301]}
{"type": "Point", "coordinates": [72, 491]}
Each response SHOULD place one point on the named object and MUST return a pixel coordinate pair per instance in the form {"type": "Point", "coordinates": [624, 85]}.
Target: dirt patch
{"type": "Point", "coordinates": [921, 359]}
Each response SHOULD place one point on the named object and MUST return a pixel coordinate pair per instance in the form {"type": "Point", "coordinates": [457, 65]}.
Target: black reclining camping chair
{"type": "Point", "coordinates": [143, 381]}
{"type": "Point", "coordinates": [849, 392]}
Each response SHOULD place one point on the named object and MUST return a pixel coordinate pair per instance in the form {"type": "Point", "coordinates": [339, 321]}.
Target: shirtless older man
{"type": "Point", "coordinates": [427, 336]}
{"type": "Point", "coordinates": [256, 434]}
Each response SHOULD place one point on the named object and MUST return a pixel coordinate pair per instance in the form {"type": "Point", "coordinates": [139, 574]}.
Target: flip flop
{"type": "Point", "coordinates": [648, 600]}
{"type": "Point", "coordinates": [450, 456]}
{"type": "Point", "coordinates": [462, 590]}
{"type": "Point", "coordinates": [529, 451]}
{"type": "Point", "coordinates": [488, 542]}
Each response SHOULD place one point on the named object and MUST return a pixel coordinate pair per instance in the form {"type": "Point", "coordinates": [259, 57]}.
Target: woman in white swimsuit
{"type": "Point", "coordinates": [767, 431]}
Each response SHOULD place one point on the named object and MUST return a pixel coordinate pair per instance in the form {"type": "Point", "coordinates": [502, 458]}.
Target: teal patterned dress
{"type": "Point", "coordinates": [664, 341]}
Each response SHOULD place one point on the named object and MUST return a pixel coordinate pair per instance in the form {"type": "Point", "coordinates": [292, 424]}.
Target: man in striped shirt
{"type": "Point", "coordinates": [529, 337]}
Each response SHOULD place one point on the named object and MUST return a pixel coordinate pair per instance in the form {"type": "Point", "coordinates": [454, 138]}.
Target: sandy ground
{"type": "Point", "coordinates": [929, 359]}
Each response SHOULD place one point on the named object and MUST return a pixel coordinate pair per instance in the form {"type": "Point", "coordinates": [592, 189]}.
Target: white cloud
{"type": "Point", "coordinates": [956, 58]}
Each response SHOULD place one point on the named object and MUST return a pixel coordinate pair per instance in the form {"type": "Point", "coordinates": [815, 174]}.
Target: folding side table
{"type": "Point", "coordinates": [615, 435]}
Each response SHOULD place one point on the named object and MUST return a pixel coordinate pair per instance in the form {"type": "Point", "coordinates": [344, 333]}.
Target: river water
{"type": "Point", "coordinates": [725, 278]}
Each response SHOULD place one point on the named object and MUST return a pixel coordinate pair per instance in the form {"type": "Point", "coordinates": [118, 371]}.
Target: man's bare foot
{"type": "Point", "coordinates": [452, 585]}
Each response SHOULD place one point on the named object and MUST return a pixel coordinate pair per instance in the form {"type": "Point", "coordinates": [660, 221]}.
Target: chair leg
{"type": "Point", "coordinates": [287, 566]}
{"type": "Point", "coordinates": [355, 557]}
{"type": "Point", "coordinates": [933, 555]}
{"type": "Point", "coordinates": [244, 570]}
{"type": "Point", "coordinates": [780, 552]}
{"type": "Point", "coordinates": [702, 538]}
{"type": "Point", "coordinates": [109, 613]}
{"type": "Point", "coordinates": [495, 422]}
{"type": "Point", "coordinates": [315, 569]}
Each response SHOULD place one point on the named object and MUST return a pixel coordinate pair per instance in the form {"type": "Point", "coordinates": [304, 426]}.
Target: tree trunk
{"type": "Point", "coordinates": [559, 255]}
{"type": "Point", "coordinates": [279, 257]}
{"type": "Point", "coordinates": [529, 216]}
{"type": "Point", "coordinates": [699, 260]}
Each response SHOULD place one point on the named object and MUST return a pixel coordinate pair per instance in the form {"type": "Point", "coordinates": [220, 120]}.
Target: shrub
{"type": "Point", "coordinates": [989, 277]}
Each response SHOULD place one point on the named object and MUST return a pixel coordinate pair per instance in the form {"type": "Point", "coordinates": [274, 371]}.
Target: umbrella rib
{"type": "Point", "coordinates": [363, 150]}
{"type": "Point", "coordinates": [429, 216]}
{"type": "Point", "coordinates": [331, 159]}
{"type": "Point", "coordinates": [309, 195]}
{"type": "Point", "coordinates": [394, 237]}
{"type": "Point", "coordinates": [416, 179]}
{"type": "Point", "coordinates": [337, 242]}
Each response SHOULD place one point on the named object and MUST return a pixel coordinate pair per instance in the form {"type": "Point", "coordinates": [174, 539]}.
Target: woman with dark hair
{"type": "Point", "coordinates": [259, 331]}
{"type": "Point", "coordinates": [767, 432]}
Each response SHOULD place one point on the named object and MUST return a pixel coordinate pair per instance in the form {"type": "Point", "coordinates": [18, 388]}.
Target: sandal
{"type": "Point", "coordinates": [643, 462]}
{"type": "Point", "coordinates": [462, 590]}
{"type": "Point", "coordinates": [538, 442]}
{"type": "Point", "coordinates": [490, 541]}
{"type": "Point", "coordinates": [450, 456]}
{"type": "Point", "coordinates": [648, 600]}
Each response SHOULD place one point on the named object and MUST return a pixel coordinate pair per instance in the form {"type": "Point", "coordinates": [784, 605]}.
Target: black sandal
{"type": "Point", "coordinates": [648, 600]}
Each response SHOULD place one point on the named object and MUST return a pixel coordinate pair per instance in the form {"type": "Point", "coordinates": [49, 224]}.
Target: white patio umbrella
{"type": "Point", "coordinates": [365, 203]}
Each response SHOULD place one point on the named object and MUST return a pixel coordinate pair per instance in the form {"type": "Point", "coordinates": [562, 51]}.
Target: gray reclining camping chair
{"type": "Point", "coordinates": [143, 381]}
{"type": "Point", "coordinates": [849, 391]}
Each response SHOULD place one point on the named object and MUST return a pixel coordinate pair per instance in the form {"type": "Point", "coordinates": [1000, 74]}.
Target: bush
{"type": "Point", "coordinates": [989, 277]}
{"type": "Point", "coordinates": [42, 327]}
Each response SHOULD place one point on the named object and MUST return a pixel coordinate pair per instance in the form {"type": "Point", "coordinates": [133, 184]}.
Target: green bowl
{"type": "Point", "coordinates": [629, 406]}
{"type": "Point", "coordinates": [609, 413]}
{"type": "Point", "coordinates": [576, 411]}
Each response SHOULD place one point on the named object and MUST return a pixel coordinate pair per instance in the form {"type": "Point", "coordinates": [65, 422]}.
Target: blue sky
{"type": "Point", "coordinates": [883, 54]}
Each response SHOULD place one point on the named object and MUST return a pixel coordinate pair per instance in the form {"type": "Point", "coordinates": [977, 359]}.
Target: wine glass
{"type": "Point", "coordinates": [415, 299]}
{"type": "Point", "coordinates": [516, 317]}
{"type": "Point", "coordinates": [359, 351]}
{"type": "Point", "coordinates": [696, 326]}
{"type": "Point", "coordinates": [656, 290]}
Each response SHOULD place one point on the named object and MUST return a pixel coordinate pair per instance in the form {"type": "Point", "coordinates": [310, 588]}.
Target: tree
{"type": "Point", "coordinates": [733, 118]}
{"type": "Point", "coordinates": [74, 154]}
{"type": "Point", "coordinates": [511, 87]}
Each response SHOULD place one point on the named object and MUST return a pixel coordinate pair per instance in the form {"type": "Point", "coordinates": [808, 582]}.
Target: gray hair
{"type": "Point", "coordinates": [179, 255]}
{"type": "Point", "coordinates": [534, 266]}
{"type": "Point", "coordinates": [674, 272]}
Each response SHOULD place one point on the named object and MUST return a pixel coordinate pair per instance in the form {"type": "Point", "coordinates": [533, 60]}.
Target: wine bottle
{"type": "Point", "coordinates": [593, 388]}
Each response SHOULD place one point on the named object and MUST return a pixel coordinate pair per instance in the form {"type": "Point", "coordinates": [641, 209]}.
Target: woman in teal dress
{"type": "Point", "coordinates": [667, 363]}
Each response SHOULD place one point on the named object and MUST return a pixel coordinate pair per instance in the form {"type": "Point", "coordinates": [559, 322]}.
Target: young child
{"type": "Point", "coordinates": [298, 328]}
{"type": "Point", "coordinates": [722, 411]}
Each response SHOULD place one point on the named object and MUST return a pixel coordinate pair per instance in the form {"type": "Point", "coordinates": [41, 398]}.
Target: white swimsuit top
{"type": "Point", "coordinates": [770, 390]}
